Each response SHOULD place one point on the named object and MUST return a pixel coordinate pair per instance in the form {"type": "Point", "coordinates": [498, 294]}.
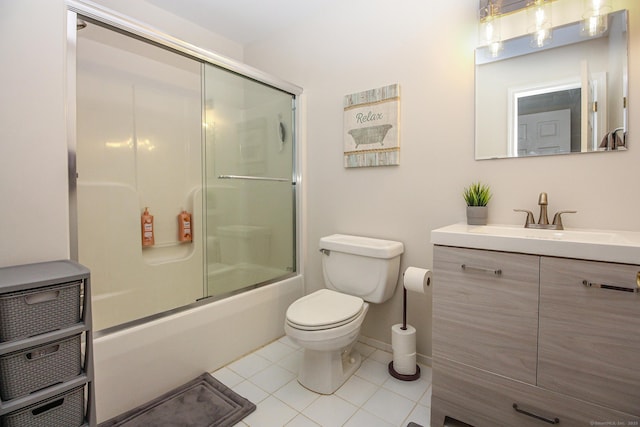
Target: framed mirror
{"type": "Point", "coordinates": [567, 97]}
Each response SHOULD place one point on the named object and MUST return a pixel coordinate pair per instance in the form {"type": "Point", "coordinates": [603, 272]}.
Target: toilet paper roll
{"type": "Point", "coordinates": [403, 343]}
{"type": "Point", "coordinates": [417, 279]}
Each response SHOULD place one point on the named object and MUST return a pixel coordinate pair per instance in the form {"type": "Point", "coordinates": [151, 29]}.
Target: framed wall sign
{"type": "Point", "coordinates": [371, 127]}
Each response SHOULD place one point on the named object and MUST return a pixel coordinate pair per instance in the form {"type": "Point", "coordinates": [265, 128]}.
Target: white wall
{"type": "Point", "coordinates": [426, 47]}
{"type": "Point", "coordinates": [153, 16]}
{"type": "Point", "coordinates": [33, 146]}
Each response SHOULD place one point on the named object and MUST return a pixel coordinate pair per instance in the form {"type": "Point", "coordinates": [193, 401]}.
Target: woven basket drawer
{"type": "Point", "coordinates": [63, 410]}
{"type": "Point", "coordinates": [35, 368]}
{"type": "Point", "coordinates": [36, 311]}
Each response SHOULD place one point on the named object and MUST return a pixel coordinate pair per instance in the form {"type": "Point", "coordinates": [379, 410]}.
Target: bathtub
{"type": "Point", "coordinates": [134, 365]}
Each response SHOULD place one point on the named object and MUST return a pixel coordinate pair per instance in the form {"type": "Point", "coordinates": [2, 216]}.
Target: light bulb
{"type": "Point", "coordinates": [595, 18]}
{"type": "Point", "coordinates": [539, 16]}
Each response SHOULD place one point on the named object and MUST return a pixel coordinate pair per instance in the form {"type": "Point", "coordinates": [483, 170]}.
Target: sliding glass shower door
{"type": "Point", "coordinates": [170, 135]}
{"type": "Point", "coordinates": [139, 146]}
{"type": "Point", "coordinates": [249, 197]}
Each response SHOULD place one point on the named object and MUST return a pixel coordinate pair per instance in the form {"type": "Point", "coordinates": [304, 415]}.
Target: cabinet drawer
{"type": "Point", "coordinates": [36, 311]}
{"type": "Point", "coordinates": [485, 310]}
{"type": "Point", "coordinates": [589, 333]}
{"type": "Point", "coordinates": [64, 410]}
{"type": "Point", "coordinates": [481, 398]}
{"type": "Point", "coordinates": [35, 368]}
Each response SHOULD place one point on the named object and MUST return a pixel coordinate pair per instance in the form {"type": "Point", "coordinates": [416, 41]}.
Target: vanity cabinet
{"type": "Point", "coordinates": [529, 340]}
{"type": "Point", "coordinates": [482, 398]}
{"type": "Point", "coordinates": [487, 313]}
{"type": "Point", "coordinates": [589, 340]}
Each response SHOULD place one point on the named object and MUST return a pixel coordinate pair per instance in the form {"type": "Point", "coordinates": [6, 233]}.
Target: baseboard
{"type": "Point", "coordinates": [380, 345]}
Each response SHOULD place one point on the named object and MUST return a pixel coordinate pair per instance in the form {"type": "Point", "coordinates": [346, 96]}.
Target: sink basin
{"type": "Point", "coordinates": [575, 235]}
{"type": "Point", "coordinates": [598, 245]}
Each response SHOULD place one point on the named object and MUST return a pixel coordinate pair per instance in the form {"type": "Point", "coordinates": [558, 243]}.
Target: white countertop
{"type": "Point", "coordinates": [597, 245]}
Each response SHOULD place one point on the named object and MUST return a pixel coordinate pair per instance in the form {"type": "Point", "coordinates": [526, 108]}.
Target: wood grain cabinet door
{"type": "Point", "coordinates": [483, 399]}
{"type": "Point", "coordinates": [485, 310]}
{"type": "Point", "coordinates": [590, 331]}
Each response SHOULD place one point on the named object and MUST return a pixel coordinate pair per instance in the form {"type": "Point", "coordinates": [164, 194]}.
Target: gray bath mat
{"type": "Point", "coordinates": [202, 402]}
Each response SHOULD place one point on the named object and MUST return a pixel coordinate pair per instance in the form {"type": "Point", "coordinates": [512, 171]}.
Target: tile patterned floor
{"type": "Point", "coordinates": [370, 398]}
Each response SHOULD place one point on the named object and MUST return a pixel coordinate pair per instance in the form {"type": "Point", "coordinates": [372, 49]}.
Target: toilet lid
{"type": "Point", "coordinates": [324, 309]}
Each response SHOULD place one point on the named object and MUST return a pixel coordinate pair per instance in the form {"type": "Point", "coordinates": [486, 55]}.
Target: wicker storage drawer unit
{"type": "Point", "coordinates": [63, 410]}
{"type": "Point", "coordinates": [33, 312]}
{"type": "Point", "coordinates": [46, 346]}
{"type": "Point", "coordinates": [35, 368]}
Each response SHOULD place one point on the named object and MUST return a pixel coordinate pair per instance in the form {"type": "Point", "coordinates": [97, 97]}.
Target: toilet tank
{"type": "Point", "coordinates": [361, 266]}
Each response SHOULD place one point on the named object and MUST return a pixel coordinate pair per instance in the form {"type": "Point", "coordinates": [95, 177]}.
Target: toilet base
{"type": "Point", "coordinates": [325, 371]}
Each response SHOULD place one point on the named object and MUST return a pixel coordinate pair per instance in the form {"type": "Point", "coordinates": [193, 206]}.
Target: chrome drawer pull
{"type": "Point", "coordinates": [610, 287]}
{"type": "Point", "coordinates": [497, 271]}
{"type": "Point", "coordinates": [555, 420]}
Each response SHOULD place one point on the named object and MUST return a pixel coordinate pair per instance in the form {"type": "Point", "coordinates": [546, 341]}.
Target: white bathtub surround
{"type": "Point", "coordinates": [135, 365]}
{"type": "Point", "coordinates": [371, 397]}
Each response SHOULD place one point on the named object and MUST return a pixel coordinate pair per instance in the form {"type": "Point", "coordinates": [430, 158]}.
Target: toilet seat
{"type": "Point", "coordinates": [324, 309]}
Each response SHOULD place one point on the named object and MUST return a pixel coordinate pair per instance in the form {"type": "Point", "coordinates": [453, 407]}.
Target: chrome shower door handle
{"type": "Point", "coordinates": [253, 178]}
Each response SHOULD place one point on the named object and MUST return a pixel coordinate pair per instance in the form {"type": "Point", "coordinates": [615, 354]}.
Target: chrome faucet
{"type": "Point", "coordinates": [543, 218]}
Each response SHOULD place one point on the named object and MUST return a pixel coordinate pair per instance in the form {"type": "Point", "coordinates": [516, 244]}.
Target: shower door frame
{"type": "Point", "coordinates": [139, 30]}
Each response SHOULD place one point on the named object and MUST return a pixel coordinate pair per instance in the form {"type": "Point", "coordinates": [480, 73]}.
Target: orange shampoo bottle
{"type": "Point", "coordinates": [146, 222]}
{"type": "Point", "coordinates": [184, 227]}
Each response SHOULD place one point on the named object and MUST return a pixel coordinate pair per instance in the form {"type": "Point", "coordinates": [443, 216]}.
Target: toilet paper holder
{"type": "Point", "coordinates": [392, 370]}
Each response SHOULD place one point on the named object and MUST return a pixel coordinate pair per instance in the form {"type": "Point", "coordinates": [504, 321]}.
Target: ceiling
{"type": "Point", "coordinates": [244, 21]}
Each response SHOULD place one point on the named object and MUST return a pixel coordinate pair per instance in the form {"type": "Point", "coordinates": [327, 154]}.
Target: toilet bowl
{"type": "Point", "coordinates": [328, 358]}
{"type": "Point", "coordinates": [326, 323]}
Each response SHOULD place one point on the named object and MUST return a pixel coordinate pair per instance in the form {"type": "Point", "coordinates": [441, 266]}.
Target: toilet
{"type": "Point", "coordinates": [326, 324]}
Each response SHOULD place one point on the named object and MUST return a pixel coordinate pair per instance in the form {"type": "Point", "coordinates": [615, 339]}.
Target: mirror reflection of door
{"type": "Point", "coordinates": [548, 132]}
{"type": "Point", "coordinates": [588, 107]}
{"type": "Point", "coordinates": [547, 120]}
{"type": "Point", "coordinates": [594, 108]}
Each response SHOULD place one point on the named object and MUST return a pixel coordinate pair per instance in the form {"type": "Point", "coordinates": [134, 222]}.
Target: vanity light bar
{"type": "Point", "coordinates": [507, 6]}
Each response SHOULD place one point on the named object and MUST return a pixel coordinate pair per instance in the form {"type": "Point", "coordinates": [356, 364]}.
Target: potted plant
{"type": "Point", "coordinates": [477, 196]}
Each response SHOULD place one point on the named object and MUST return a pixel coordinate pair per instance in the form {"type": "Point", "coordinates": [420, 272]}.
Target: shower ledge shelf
{"type": "Point", "coordinates": [165, 253]}
{"type": "Point", "coordinates": [591, 244]}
